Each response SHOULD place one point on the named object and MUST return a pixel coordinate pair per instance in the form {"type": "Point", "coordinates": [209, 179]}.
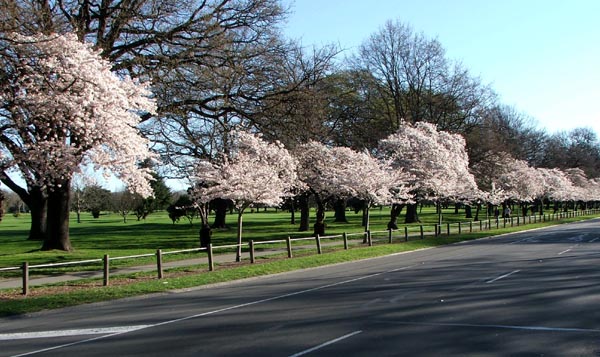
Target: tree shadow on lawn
{"type": "Point", "coordinates": [135, 236]}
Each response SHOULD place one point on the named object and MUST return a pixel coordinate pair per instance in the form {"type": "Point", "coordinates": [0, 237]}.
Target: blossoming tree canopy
{"type": "Point", "coordinates": [340, 172]}
{"type": "Point", "coordinates": [437, 159]}
{"type": "Point", "coordinates": [254, 172]}
{"type": "Point", "coordinates": [62, 107]}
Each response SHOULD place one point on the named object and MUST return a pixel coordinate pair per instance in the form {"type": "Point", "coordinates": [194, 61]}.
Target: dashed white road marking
{"type": "Point", "coordinates": [325, 344]}
{"type": "Point", "coordinates": [502, 276]}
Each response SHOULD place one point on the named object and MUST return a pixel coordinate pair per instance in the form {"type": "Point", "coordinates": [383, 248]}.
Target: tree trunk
{"type": "Point", "coordinates": [220, 206]}
{"type": "Point", "coordinates": [304, 213]}
{"type": "Point", "coordinates": [524, 209]}
{"type": "Point", "coordinates": [38, 207]}
{"type": "Point", "coordinates": [319, 226]}
{"type": "Point", "coordinates": [468, 211]}
{"type": "Point", "coordinates": [394, 213]}
{"type": "Point", "coordinates": [292, 212]}
{"type": "Point", "coordinates": [339, 207]}
{"type": "Point", "coordinates": [57, 236]}
{"type": "Point", "coordinates": [205, 235]}
{"type": "Point", "coordinates": [35, 199]}
{"type": "Point", "coordinates": [366, 218]}
{"type": "Point", "coordinates": [477, 211]}
{"type": "Point", "coordinates": [411, 214]}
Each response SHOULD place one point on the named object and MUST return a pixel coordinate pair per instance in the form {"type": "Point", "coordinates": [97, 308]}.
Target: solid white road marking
{"type": "Point", "coordinates": [502, 276]}
{"type": "Point", "coordinates": [63, 333]}
{"type": "Point", "coordinates": [565, 251]}
{"type": "Point", "coordinates": [326, 344]}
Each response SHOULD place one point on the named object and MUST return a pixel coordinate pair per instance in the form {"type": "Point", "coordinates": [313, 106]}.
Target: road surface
{"type": "Point", "coordinates": [533, 293]}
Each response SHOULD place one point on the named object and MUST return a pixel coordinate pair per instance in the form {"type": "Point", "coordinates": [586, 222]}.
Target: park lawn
{"type": "Point", "coordinates": [93, 238]}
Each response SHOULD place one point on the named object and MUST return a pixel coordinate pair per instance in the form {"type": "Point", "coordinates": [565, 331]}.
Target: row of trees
{"type": "Point", "coordinates": [417, 163]}
{"type": "Point", "coordinates": [211, 68]}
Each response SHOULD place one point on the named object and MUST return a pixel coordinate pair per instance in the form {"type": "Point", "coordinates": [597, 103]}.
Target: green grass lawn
{"type": "Point", "coordinates": [92, 238]}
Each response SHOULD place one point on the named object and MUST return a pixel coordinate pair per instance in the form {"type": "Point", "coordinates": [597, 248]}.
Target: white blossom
{"type": "Point", "coordinates": [63, 107]}
{"type": "Point", "coordinates": [437, 160]}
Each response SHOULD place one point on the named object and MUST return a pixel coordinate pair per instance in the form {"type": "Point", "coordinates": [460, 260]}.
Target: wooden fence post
{"type": "Point", "coordinates": [251, 246]}
{"type": "Point", "coordinates": [211, 263]}
{"type": "Point", "coordinates": [369, 238]}
{"type": "Point", "coordinates": [406, 233]}
{"type": "Point", "coordinates": [447, 228]}
{"type": "Point", "coordinates": [421, 232]}
{"type": "Point", "coordinates": [318, 241]}
{"type": "Point", "coordinates": [390, 235]}
{"type": "Point", "coordinates": [345, 237]}
{"type": "Point", "coordinates": [159, 267]}
{"type": "Point", "coordinates": [25, 268]}
{"type": "Point", "coordinates": [106, 261]}
{"type": "Point", "coordinates": [288, 242]}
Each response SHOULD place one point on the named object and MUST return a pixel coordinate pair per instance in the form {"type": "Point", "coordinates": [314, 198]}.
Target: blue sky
{"type": "Point", "coordinates": [540, 56]}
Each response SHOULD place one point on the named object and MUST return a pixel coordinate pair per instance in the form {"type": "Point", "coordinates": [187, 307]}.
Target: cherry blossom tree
{"type": "Point", "coordinates": [339, 172]}
{"type": "Point", "coordinates": [371, 180]}
{"type": "Point", "coordinates": [62, 108]}
{"type": "Point", "coordinates": [581, 185]}
{"type": "Point", "coordinates": [437, 160]}
{"type": "Point", "coordinates": [520, 183]}
{"type": "Point", "coordinates": [557, 186]}
{"type": "Point", "coordinates": [253, 172]}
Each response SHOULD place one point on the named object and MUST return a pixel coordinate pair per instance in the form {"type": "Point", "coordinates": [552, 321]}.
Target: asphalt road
{"type": "Point", "coordinates": [529, 294]}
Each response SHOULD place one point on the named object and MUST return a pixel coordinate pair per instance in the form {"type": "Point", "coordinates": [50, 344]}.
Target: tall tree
{"type": "Point", "coordinates": [418, 82]}
{"type": "Point", "coordinates": [253, 172]}
{"type": "Point", "coordinates": [61, 107]}
{"type": "Point", "coordinates": [578, 148]}
{"type": "Point", "coordinates": [437, 161]}
{"type": "Point", "coordinates": [214, 64]}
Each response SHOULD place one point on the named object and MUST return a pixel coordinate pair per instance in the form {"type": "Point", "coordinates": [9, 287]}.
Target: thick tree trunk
{"type": "Point", "coordinates": [220, 206]}
{"type": "Point", "coordinates": [35, 199]}
{"type": "Point", "coordinates": [340, 211]}
{"type": "Point", "coordinates": [468, 211]}
{"type": "Point", "coordinates": [38, 208]}
{"type": "Point", "coordinates": [57, 236]}
{"type": "Point", "coordinates": [411, 214]}
{"type": "Point", "coordinates": [394, 214]}
{"type": "Point", "coordinates": [304, 213]}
